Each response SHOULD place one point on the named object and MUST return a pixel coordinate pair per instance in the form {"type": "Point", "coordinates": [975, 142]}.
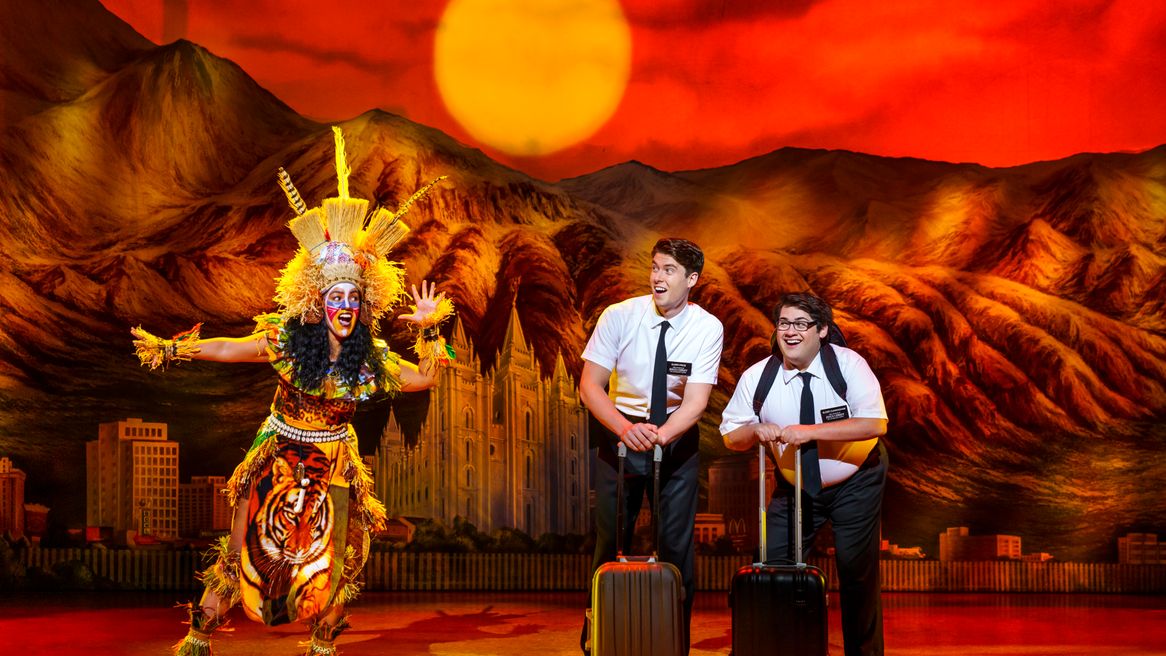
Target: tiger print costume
{"type": "Point", "coordinates": [310, 498]}
{"type": "Point", "coordinates": [308, 494]}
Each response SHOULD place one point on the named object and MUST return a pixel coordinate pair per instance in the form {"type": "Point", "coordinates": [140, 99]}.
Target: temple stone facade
{"type": "Point", "coordinates": [503, 448]}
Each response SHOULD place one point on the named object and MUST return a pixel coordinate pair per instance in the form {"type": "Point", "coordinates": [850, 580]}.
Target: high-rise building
{"type": "Point", "coordinates": [505, 448]}
{"type": "Point", "coordinates": [1141, 549]}
{"type": "Point", "coordinates": [132, 479]}
{"type": "Point", "coordinates": [36, 521]}
{"type": "Point", "coordinates": [956, 544]}
{"type": "Point", "coordinates": [202, 507]}
{"type": "Point", "coordinates": [11, 499]}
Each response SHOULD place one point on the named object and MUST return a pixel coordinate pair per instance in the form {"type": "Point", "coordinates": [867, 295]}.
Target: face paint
{"type": "Point", "coordinates": [342, 308]}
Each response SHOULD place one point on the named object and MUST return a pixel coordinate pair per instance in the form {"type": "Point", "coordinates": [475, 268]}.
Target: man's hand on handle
{"type": "Point", "coordinates": [639, 437]}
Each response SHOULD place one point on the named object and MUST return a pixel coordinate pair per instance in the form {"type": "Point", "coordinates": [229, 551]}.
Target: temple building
{"type": "Point", "coordinates": [503, 448]}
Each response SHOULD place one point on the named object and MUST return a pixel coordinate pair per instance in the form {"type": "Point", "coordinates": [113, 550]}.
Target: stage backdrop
{"type": "Point", "coordinates": [1014, 315]}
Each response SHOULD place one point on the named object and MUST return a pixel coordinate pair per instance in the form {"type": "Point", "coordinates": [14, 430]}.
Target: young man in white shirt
{"type": "Point", "coordinates": [658, 355]}
{"type": "Point", "coordinates": [851, 461]}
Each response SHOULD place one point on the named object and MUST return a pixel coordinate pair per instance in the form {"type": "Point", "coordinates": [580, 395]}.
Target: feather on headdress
{"type": "Point", "coordinates": [335, 246]}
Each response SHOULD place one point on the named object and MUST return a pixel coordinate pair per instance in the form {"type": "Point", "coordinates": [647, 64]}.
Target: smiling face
{"type": "Point", "coordinates": [798, 347]}
{"type": "Point", "coordinates": [670, 284]}
{"type": "Point", "coordinates": [342, 308]}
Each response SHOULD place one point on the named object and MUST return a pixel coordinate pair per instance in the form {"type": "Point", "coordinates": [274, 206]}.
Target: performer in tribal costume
{"type": "Point", "coordinates": [303, 497]}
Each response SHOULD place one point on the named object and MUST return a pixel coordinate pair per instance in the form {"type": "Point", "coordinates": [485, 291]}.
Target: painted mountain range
{"type": "Point", "coordinates": [1014, 316]}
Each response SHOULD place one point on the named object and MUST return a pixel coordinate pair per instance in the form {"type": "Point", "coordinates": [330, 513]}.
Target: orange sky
{"type": "Point", "coordinates": [711, 83]}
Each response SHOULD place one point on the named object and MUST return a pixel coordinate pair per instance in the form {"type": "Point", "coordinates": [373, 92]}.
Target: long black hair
{"type": "Point", "coordinates": [308, 348]}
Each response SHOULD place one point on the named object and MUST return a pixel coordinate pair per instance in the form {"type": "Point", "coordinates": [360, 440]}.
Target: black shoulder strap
{"type": "Point", "coordinates": [768, 375]}
{"type": "Point", "coordinates": [833, 371]}
{"type": "Point", "coordinates": [829, 364]}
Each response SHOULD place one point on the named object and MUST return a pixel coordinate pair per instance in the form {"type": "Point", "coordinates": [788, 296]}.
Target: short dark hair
{"type": "Point", "coordinates": [683, 251]}
{"type": "Point", "coordinates": [818, 309]}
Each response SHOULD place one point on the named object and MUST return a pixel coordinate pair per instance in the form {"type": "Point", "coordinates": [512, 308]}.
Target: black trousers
{"type": "Point", "coordinates": [854, 506]}
{"type": "Point", "coordinates": [676, 515]}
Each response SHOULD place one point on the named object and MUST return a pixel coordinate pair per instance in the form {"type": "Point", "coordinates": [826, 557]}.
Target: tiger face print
{"type": "Point", "coordinates": [289, 545]}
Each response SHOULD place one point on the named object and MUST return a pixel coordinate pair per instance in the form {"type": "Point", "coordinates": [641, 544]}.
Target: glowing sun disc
{"type": "Point", "coordinates": [530, 77]}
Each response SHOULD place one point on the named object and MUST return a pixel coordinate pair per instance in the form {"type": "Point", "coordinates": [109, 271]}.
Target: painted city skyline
{"type": "Point", "coordinates": [1014, 315]}
{"type": "Point", "coordinates": [139, 496]}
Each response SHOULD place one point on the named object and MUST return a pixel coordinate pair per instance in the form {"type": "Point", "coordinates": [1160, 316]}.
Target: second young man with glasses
{"type": "Point", "coordinates": [844, 483]}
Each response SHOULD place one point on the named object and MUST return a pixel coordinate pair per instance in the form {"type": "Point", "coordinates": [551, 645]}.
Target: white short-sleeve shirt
{"type": "Point", "coordinates": [864, 399]}
{"type": "Point", "coordinates": [624, 342]}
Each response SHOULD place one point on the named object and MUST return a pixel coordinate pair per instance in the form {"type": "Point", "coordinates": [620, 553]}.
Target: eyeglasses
{"type": "Point", "coordinates": [800, 325]}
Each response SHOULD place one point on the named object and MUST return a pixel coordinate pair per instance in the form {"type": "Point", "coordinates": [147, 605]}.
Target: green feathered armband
{"type": "Point", "coordinates": [431, 345]}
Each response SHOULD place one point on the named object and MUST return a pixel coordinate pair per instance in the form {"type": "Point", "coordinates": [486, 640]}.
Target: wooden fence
{"type": "Point", "coordinates": [395, 571]}
{"type": "Point", "coordinates": [126, 568]}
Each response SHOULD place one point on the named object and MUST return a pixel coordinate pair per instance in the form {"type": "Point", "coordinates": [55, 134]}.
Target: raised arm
{"type": "Point", "coordinates": [415, 378]}
{"type": "Point", "coordinates": [430, 308]}
{"type": "Point", "coordinates": [156, 352]}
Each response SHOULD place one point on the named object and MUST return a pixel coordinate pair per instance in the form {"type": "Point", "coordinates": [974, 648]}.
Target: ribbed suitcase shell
{"type": "Point", "coordinates": [636, 601]}
{"type": "Point", "coordinates": [637, 609]}
{"type": "Point", "coordinates": [779, 609]}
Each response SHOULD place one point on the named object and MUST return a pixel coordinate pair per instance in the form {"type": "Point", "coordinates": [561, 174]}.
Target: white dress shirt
{"type": "Point", "coordinates": [624, 342]}
{"type": "Point", "coordinates": [864, 399]}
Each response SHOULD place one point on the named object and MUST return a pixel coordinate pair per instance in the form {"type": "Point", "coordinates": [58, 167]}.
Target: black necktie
{"type": "Point", "coordinates": [658, 410]}
{"type": "Point", "coordinates": [811, 473]}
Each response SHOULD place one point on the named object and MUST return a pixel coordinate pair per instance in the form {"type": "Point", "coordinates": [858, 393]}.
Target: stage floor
{"type": "Point", "coordinates": [535, 624]}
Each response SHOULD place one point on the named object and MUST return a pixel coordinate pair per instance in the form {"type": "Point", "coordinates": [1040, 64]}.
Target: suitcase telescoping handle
{"type": "Point", "coordinates": [762, 547]}
{"type": "Point", "coordinates": [657, 458]}
{"type": "Point", "coordinates": [762, 552]}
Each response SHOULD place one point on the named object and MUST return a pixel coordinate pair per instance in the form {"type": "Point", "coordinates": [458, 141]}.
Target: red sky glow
{"type": "Point", "coordinates": [711, 83]}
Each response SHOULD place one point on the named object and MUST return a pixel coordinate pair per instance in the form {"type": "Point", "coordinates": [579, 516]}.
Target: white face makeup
{"type": "Point", "coordinates": [342, 308]}
{"type": "Point", "coordinates": [669, 284]}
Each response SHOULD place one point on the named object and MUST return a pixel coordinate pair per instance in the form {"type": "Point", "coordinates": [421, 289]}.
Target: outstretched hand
{"type": "Point", "coordinates": [156, 352]}
{"type": "Point", "coordinates": [425, 304]}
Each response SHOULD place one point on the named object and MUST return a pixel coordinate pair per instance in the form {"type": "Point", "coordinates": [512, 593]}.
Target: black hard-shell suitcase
{"type": "Point", "coordinates": [637, 603]}
{"type": "Point", "coordinates": [779, 609]}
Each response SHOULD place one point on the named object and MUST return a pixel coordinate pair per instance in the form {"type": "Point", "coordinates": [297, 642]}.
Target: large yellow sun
{"type": "Point", "coordinates": [530, 77]}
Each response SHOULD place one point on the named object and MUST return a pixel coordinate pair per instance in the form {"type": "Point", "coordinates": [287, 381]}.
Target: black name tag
{"type": "Point", "coordinates": [679, 368]}
{"type": "Point", "coordinates": [835, 414]}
